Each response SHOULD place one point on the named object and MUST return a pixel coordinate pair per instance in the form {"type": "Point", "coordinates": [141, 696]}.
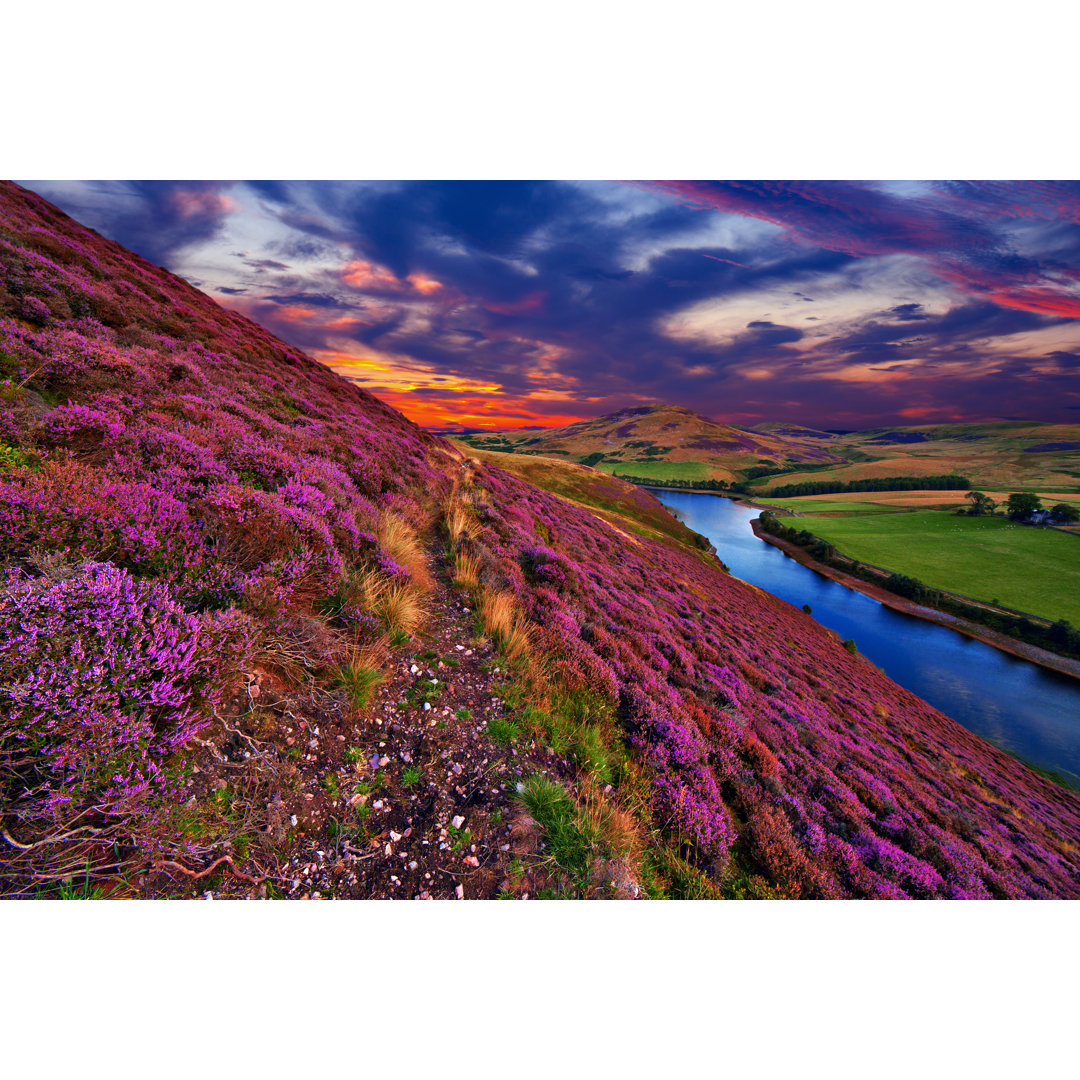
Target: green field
{"type": "Point", "coordinates": [659, 470]}
{"type": "Point", "coordinates": [991, 559]}
{"type": "Point", "coordinates": [804, 507]}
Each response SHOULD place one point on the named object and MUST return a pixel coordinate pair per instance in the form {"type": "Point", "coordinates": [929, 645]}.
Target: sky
{"type": "Point", "coordinates": [506, 304]}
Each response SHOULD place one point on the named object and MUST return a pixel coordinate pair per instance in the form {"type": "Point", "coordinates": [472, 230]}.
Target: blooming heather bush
{"type": "Point", "coordinates": [102, 677]}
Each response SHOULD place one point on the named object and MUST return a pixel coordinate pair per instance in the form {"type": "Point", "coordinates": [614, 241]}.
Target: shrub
{"type": "Point", "coordinates": [102, 678]}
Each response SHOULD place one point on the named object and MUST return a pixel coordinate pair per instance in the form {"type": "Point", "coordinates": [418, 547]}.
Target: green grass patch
{"type": "Point", "coordinates": [359, 681]}
{"type": "Point", "coordinates": [1029, 569]}
{"type": "Point", "coordinates": [810, 506]}
{"type": "Point", "coordinates": [503, 732]}
{"type": "Point", "coordinates": [659, 470]}
{"type": "Point", "coordinates": [572, 844]}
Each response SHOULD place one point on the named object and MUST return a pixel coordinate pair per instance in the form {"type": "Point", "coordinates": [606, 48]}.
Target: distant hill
{"type": "Point", "coordinates": [664, 441]}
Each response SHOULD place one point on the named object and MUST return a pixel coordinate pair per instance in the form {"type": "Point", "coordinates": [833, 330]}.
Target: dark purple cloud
{"type": "Point", "coordinates": [722, 296]}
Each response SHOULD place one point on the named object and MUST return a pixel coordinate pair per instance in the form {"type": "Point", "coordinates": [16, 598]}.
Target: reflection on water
{"type": "Point", "coordinates": [1018, 706]}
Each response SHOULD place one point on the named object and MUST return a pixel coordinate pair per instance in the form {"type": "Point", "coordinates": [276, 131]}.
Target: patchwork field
{"type": "Point", "coordinates": [990, 559]}
{"type": "Point", "coordinates": [1015, 455]}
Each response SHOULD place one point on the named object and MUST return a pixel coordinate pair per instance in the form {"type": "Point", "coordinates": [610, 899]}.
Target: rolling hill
{"type": "Point", "coordinates": [665, 442]}
{"type": "Point", "coordinates": [260, 635]}
{"type": "Point", "coordinates": [659, 440]}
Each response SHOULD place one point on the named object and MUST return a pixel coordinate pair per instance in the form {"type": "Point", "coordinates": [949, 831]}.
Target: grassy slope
{"type": "Point", "coordinates": [1033, 570]}
{"type": "Point", "coordinates": [660, 470]}
{"type": "Point", "coordinates": [619, 503]}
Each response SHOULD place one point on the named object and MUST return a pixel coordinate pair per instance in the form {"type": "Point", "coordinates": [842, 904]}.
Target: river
{"type": "Point", "coordinates": [1018, 706]}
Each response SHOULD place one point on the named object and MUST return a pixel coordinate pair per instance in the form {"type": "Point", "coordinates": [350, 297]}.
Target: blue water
{"type": "Point", "coordinates": [1018, 706]}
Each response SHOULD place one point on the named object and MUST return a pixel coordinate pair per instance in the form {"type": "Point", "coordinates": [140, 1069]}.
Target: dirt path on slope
{"type": "Point", "coordinates": [398, 801]}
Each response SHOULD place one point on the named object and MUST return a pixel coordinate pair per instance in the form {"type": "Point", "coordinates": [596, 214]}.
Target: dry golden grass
{"type": "Point", "coordinates": [501, 617]}
{"type": "Point", "coordinates": [459, 522]}
{"type": "Point", "coordinates": [398, 539]}
{"type": "Point", "coordinates": [397, 605]}
{"type": "Point", "coordinates": [466, 570]}
{"type": "Point", "coordinates": [616, 826]}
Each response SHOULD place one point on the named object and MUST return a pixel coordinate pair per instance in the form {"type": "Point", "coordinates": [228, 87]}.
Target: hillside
{"type": "Point", "coordinates": [264, 636]}
{"type": "Point", "coordinates": [658, 441]}
{"type": "Point", "coordinates": [665, 442]}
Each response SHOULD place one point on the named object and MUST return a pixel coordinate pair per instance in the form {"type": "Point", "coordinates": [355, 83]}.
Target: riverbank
{"type": "Point", "coordinates": [1031, 653]}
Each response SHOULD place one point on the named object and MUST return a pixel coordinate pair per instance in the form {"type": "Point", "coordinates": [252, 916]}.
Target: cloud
{"type": "Point", "coordinates": [156, 218]}
{"type": "Point", "coordinates": [565, 300]}
{"type": "Point", "coordinates": [953, 227]}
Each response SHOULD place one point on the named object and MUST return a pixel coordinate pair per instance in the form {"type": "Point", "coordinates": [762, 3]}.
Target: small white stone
{"type": "Point", "coordinates": [458, 821]}
{"type": "Point", "coordinates": [395, 836]}
{"type": "Point", "coordinates": [459, 892]}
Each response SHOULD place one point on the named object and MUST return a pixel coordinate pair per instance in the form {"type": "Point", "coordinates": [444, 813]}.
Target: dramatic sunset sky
{"type": "Point", "coordinates": [505, 304]}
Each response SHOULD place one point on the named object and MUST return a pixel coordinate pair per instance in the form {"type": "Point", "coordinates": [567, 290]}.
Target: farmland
{"type": "Point", "coordinates": [659, 470]}
{"type": "Point", "coordinates": [989, 558]}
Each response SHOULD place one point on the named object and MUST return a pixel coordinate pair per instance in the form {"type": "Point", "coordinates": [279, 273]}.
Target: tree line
{"type": "Point", "coordinates": [944, 482]}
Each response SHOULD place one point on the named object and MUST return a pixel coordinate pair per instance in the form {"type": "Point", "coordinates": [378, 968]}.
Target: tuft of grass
{"type": "Point", "coordinates": [360, 676]}
{"type": "Point", "coordinates": [353, 754]}
{"type": "Point", "coordinates": [410, 776]}
{"type": "Point", "coordinates": [466, 571]}
{"type": "Point", "coordinates": [459, 522]}
{"type": "Point", "coordinates": [499, 615]}
{"type": "Point", "coordinates": [398, 539]}
{"type": "Point", "coordinates": [398, 605]}
{"type": "Point", "coordinates": [573, 838]}
{"type": "Point", "coordinates": [463, 714]}
{"type": "Point", "coordinates": [330, 785]}
{"type": "Point", "coordinates": [503, 732]}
